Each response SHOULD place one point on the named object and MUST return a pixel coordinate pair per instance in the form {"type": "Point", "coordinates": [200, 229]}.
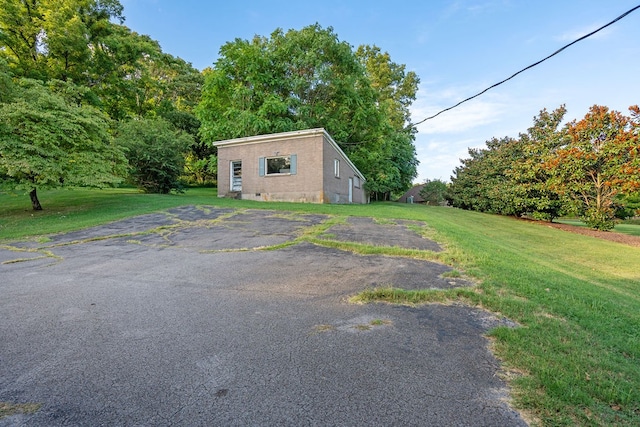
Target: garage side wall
{"type": "Point", "coordinates": [338, 178]}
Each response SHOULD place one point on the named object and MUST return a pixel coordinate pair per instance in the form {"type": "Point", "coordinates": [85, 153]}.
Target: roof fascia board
{"type": "Point", "coordinates": [269, 137]}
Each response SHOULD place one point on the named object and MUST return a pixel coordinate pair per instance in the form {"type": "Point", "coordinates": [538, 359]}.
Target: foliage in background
{"type": "Point", "coordinates": [532, 193]}
{"type": "Point", "coordinates": [101, 63]}
{"type": "Point", "coordinates": [308, 78]}
{"type": "Point", "coordinates": [155, 151]}
{"type": "Point", "coordinates": [588, 168]}
{"type": "Point", "coordinates": [628, 206]}
{"type": "Point", "coordinates": [200, 171]}
{"type": "Point", "coordinates": [56, 39]}
{"type": "Point", "coordinates": [599, 161]}
{"type": "Point", "coordinates": [201, 161]}
{"type": "Point", "coordinates": [434, 192]}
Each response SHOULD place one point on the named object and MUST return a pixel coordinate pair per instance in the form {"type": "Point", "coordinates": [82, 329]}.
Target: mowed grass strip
{"type": "Point", "coordinates": [629, 226]}
{"type": "Point", "coordinates": [574, 360]}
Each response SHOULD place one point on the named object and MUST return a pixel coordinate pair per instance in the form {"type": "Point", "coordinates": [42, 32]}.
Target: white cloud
{"type": "Point", "coordinates": [576, 33]}
{"type": "Point", "coordinates": [463, 118]}
{"type": "Point", "coordinates": [442, 141]}
{"type": "Point", "coordinates": [439, 155]}
{"type": "Point", "coordinates": [473, 113]}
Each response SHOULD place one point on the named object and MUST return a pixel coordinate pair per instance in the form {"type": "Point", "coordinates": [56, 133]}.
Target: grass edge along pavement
{"type": "Point", "coordinates": [574, 360]}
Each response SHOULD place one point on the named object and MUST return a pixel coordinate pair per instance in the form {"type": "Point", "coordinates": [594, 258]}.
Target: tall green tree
{"type": "Point", "coordinates": [308, 78]}
{"type": "Point", "coordinates": [532, 193]}
{"type": "Point", "coordinates": [291, 81]}
{"type": "Point", "coordinates": [395, 90]}
{"type": "Point", "coordinates": [48, 140]}
{"type": "Point", "coordinates": [132, 77]}
{"type": "Point", "coordinates": [52, 39]}
{"type": "Point", "coordinates": [395, 87]}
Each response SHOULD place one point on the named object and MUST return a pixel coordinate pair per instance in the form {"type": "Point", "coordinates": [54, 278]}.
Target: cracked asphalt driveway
{"type": "Point", "coordinates": [219, 317]}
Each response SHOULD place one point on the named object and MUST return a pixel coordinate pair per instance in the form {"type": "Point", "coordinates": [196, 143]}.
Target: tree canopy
{"type": "Point", "coordinates": [46, 140]}
{"type": "Point", "coordinates": [54, 39]}
{"type": "Point", "coordinates": [127, 74]}
{"type": "Point", "coordinates": [292, 81]}
{"type": "Point", "coordinates": [73, 71]}
{"type": "Point", "coordinates": [308, 78]}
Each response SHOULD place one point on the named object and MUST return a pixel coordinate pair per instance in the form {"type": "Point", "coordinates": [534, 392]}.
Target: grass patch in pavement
{"type": "Point", "coordinates": [575, 359]}
{"type": "Point", "coordinates": [7, 409]}
{"type": "Point", "coordinates": [395, 295]}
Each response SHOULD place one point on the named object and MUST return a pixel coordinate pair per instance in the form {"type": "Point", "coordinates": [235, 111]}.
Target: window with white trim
{"type": "Point", "coordinates": [336, 168]}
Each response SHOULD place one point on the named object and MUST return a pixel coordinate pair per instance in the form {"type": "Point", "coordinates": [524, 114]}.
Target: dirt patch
{"type": "Point", "coordinates": [612, 236]}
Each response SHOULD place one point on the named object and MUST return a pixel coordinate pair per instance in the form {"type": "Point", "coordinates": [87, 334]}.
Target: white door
{"type": "Point", "coordinates": [350, 190]}
{"type": "Point", "coordinates": [236, 176]}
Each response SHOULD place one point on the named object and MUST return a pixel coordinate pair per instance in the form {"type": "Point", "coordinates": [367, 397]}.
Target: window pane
{"type": "Point", "coordinates": [278, 165]}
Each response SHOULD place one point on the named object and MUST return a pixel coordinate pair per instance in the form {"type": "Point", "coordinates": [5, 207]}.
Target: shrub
{"type": "Point", "coordinates": [599, 219]}
{"type": "Point", "coordinates": [155, 151]}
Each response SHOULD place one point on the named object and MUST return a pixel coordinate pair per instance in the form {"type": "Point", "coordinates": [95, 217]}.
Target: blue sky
{"type": "Point", "coordinates": [457, 48]}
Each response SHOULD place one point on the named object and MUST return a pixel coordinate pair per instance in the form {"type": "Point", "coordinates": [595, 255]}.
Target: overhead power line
{"type": "Point", "coordinates": [526, 68]}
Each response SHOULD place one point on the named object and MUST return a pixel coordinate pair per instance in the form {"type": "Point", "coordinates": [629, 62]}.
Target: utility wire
{"type": "Point", "coordinates": [526, 68]}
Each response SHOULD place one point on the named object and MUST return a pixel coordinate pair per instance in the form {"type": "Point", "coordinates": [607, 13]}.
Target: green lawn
{"type": "Point", "coordinates": [627, 227]}
{"type": "Point", "coordinates": [576, 357]}
{"type": "Point", "coordinates": [633, 229]}
{"type": "Point", "coordinates": [574, 360]}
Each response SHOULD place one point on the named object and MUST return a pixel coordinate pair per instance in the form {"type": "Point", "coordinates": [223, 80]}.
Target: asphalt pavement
{"type": "Point", "coordinates": [200, 316]}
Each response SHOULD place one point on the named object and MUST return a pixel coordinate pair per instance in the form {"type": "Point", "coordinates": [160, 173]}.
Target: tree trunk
{"type": "Point", "coordinates": [34, 200]}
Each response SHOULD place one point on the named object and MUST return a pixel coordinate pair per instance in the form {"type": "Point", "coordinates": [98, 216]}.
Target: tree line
{"type": "Point", "coordinates": [588, 167]}
{"type": "Point", "coordinates": [86, 101]}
